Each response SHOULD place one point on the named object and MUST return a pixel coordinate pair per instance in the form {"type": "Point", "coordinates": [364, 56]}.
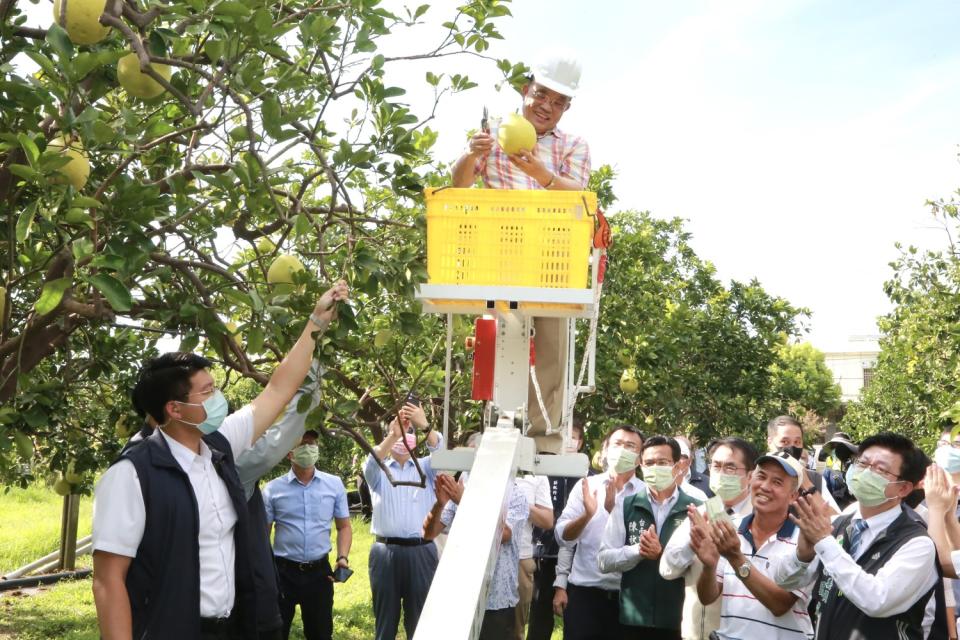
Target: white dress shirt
{"type": "Point", "coordinates": [584, 571]}
{"type": "Point", "coordinates": [907, 576]}
{"type": "Point", "coordinates": [617, 556]}
{"type": "Point", "coordinates": [536, 489]}
{"type": "Point", "coordinates": [679, 560]}
{"type": "Point", "coordinates": [119, 514]}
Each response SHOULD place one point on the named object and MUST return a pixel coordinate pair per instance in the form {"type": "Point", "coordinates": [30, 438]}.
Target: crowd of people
{"type": "Point", "coordinates": [651, 545]}
{"type": "Point", "coordinates": [767, 546]}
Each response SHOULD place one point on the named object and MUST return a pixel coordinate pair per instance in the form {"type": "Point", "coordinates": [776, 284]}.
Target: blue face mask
{"type": "Point", "coordinates": [948, 459]}
{"type": "Point", "coordinates": [216, 408]}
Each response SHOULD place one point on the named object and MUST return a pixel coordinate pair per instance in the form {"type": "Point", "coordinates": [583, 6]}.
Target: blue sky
{"type": "Point", "coordinates": [799, 138]}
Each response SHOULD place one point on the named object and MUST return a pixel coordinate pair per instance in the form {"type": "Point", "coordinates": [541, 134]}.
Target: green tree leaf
{"type": "Point", "coordinates": [51, 295]}
{"type": "Point", "coordinates": [113, 290]}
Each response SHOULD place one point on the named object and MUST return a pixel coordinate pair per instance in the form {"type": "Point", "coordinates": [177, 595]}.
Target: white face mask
{"type": "Point", "coordinates": [621, 460]}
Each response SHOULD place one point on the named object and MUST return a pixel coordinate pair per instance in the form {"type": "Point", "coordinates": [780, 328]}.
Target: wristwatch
{"type": "Point", "coordinates": [743, 571]}
{"type": "Point", "coordinates": [339, 558]}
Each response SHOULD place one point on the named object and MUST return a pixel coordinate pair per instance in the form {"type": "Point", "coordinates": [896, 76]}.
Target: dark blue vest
{"type": "Point", "coordinates": [840, 619]}
{"type": "Point", "coordinates": [163, 581]}
{"type": "Point", "coordinates": [264, 570]}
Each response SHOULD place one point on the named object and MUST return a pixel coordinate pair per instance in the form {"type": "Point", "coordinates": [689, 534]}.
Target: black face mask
{"type": "Point", "coordinates": [795, 452]}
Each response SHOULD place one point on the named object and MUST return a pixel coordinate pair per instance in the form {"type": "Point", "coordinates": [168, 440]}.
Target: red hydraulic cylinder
{"type": "Point", "coordinates": [484, 358]}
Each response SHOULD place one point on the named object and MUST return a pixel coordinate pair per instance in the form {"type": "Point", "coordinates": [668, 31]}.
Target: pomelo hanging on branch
{"type": "Point", "coordinates": [81, 19]}
{"type": "Point", "coordinates": [280, 274]}
{"type": "Point", "coordinates": [77, 170]}
{"type": "Point", "coordinates": [137, 83]}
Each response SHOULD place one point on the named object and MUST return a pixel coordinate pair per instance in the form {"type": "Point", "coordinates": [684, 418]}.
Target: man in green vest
{"type": "Point", "coordinates": [638, 529]}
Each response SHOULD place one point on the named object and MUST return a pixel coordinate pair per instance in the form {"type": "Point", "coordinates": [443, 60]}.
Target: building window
{"type": "Point", "coordinates": [867, 376]}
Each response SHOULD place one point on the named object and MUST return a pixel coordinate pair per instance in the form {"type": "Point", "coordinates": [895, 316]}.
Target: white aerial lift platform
{"type": "Point", "coordinates": [506, 256]}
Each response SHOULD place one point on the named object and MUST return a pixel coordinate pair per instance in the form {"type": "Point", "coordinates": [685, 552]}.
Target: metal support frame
{"type": "Point", "coordinates": [457, 599]}
{"type": "Point", "coordinates": [456, 602]}
{"type": "Point", "coordinates": [512, 368]}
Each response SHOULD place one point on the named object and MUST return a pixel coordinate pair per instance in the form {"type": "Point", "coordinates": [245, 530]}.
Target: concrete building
{"type": "Point", "coordinates": [852, 363]}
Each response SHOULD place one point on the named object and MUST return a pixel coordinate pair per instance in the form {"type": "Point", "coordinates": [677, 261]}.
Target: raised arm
{"type": "Point", "coordinates": [280, 438]}
{"type": "Point", "coordinates": [580, 508]}
{"type": "Point", "coordinates": [291, 371]}
{"type": "Point", "coordinates": [942, 502]}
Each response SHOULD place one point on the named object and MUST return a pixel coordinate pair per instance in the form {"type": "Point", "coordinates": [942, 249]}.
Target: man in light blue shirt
{"type": "Point", "coordinates": [303, 504]}
{"type": "Point", "coordinates": [402, 563]}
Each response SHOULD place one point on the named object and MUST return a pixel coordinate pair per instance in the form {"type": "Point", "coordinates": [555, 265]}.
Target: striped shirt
{"type": "Point", "coordinates": [563, 154]}
{"type": "Point", "coordinates": [741, 614]}
{"type": "Point", "coordinates": [398, 512]}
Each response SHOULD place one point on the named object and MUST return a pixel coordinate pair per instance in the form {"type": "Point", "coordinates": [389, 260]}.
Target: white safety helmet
{"type": "Point", "coordinates": [559, 71]}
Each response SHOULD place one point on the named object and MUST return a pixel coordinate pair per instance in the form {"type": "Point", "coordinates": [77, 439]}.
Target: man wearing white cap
{"type": "Point", "coordinates": [737, 557]}
{"type": "Point", "coordinates": [558, 162]}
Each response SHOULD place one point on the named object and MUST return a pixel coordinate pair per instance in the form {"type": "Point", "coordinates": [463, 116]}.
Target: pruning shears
{"type": "Point", "coordinates": [485, 120]}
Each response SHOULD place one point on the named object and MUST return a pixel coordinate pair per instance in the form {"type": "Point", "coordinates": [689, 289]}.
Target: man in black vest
{"type": "Point", "coordinates": [171, 532]}
{"type": "Point", "coordinates": [875, 567]}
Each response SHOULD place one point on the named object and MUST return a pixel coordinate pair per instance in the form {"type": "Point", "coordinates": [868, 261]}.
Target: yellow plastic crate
{"type": "Point", "coordinates": [505, 237]}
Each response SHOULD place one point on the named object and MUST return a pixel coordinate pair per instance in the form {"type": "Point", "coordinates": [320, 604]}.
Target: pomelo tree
{"type": "Point", "coordinates": [915, 389]}
{"type": "Point", "coordinates": [220, 136]}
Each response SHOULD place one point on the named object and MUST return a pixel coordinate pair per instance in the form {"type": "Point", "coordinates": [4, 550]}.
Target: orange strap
{"type": "Point", "coordinates": [602, 236]}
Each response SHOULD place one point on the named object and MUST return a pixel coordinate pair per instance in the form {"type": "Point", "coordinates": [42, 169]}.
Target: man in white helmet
{"type": "Point", "coordinates": [559, 161]}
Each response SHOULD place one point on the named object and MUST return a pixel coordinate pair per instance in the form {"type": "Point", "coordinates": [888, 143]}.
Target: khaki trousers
{"type": "Point", "coordinates": [550, 345]}
{"type": "Point", "coordinates": [525, 587]}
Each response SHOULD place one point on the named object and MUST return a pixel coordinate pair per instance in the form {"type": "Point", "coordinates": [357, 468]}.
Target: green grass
{"type": "Point", "coordinates": [30, 525]}
{"type": "Point", "coordinates": [30, 528]}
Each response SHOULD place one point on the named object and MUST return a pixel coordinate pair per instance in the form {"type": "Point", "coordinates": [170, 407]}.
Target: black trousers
{"type": "Point", "coordinates": [220, 629]}
{"type": "Point", "coordinates": [592, 614]}
{"type": "Point", "coordinates": [649, 633]}
{"type": "Point", "coordinates": [498, 624]}
{"type": "Point", "coordinates": [312, 589]}
{"type": "Point", "coordinates": [540, 625]}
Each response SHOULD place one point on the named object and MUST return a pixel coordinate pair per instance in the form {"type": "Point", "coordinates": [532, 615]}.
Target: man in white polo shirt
{"type": "Point", "coordinates": [170, 542]}
{"type": "Point", "coordinates": [736, 561]}
{"type": "Point", "coordinates": [592, 608]}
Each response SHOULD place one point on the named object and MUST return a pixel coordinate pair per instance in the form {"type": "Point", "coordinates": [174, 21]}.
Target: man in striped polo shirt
{"type": "Point", "coordinates": [737, 559]}
{"type": "Point", "coordinates": [559, 162]}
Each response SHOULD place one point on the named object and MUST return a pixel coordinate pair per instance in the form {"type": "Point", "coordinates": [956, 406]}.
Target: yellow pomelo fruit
{"type": "Point", "coordinates": [81, 19]}
{"type": "Point", "coordinates": [516, 134]}
{"type": "Point", "coordinates": [78, 169]}
{"type": "Point", "coordinates": [266, 245]}
{"type": "Point", "coordinates": [628, 381]}
{"type": "Point", "coordinates": [62, 487]}
{"type": "Point", "coordinates": [138, 83]}
{"type": "Point", "coordinates": [280, 274]}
